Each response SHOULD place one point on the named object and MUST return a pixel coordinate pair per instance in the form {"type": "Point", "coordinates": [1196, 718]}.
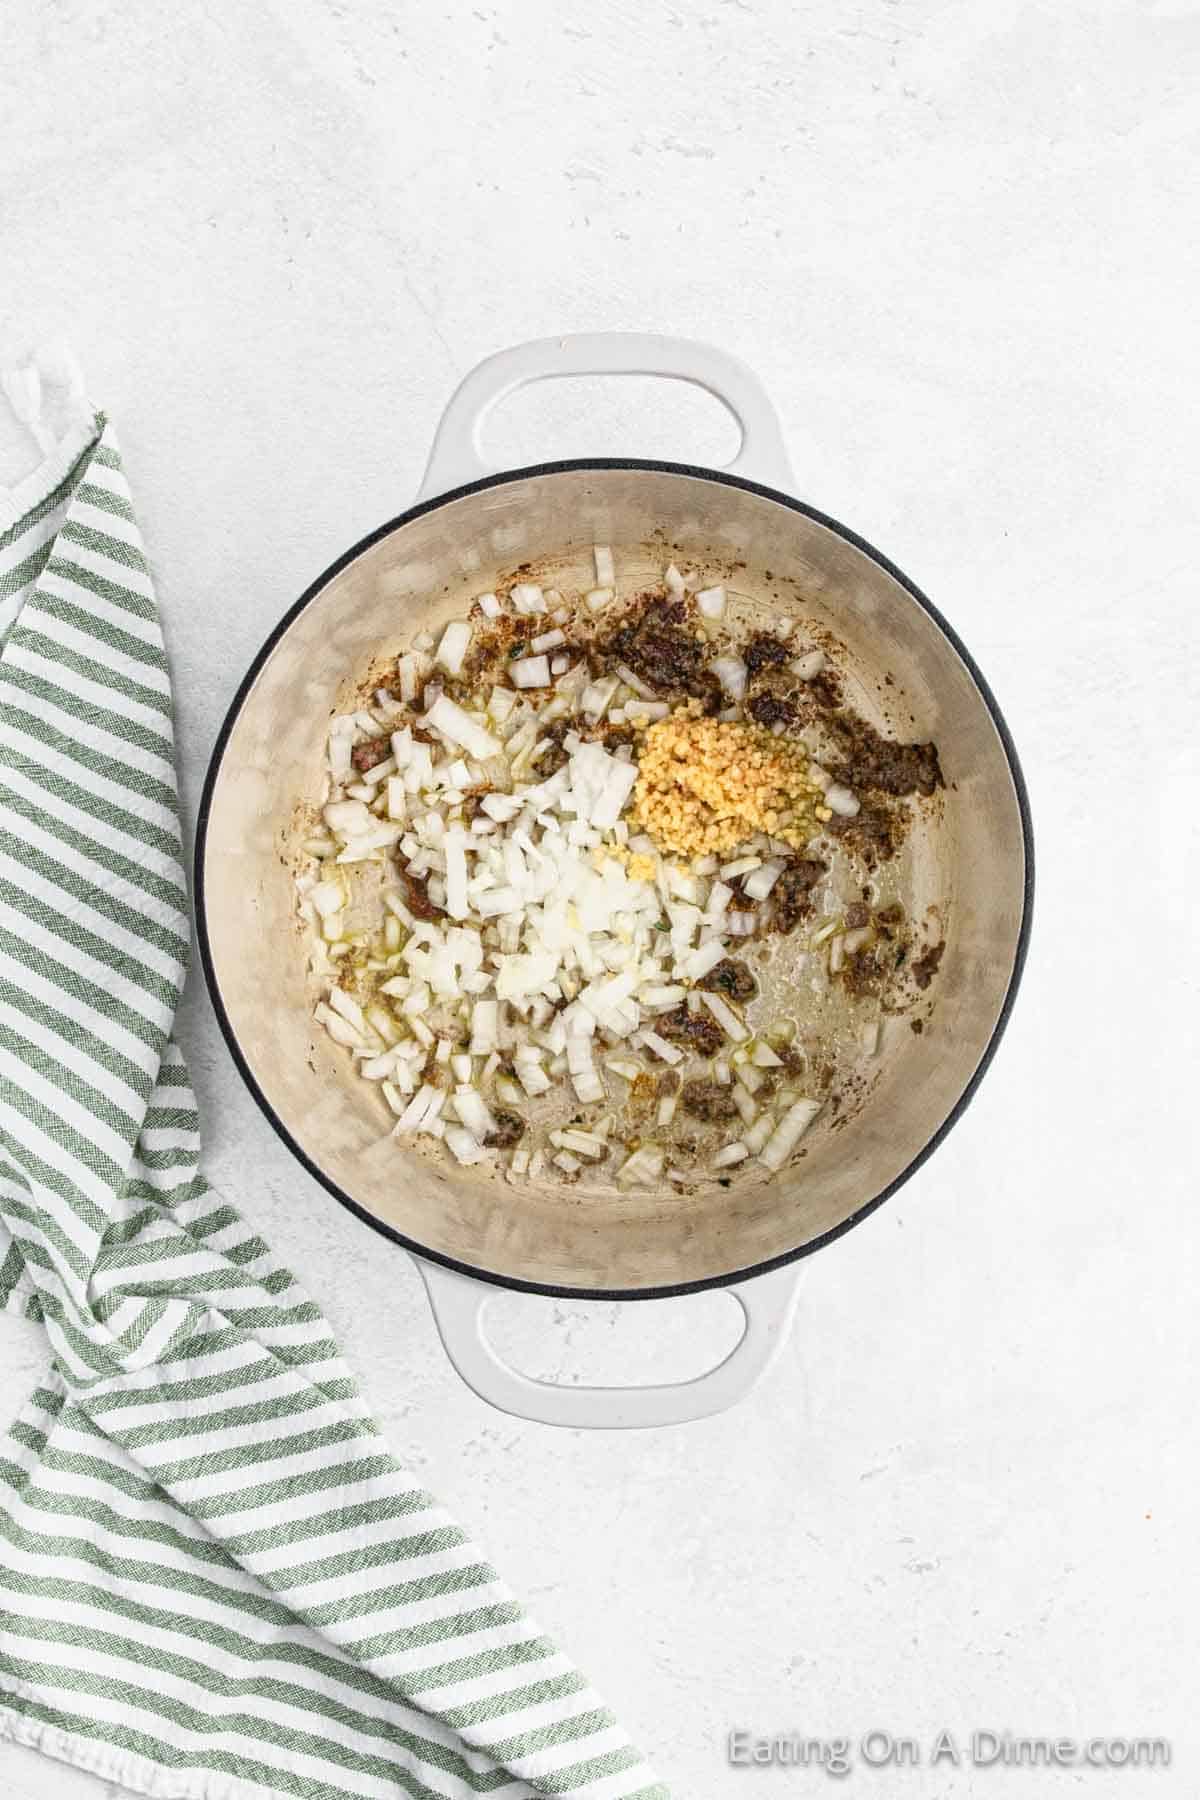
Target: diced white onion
{"type": "Point", "coordinates": [530, 672]}
{"type": "Point", "coordinates": [463, 1146]}
{"type": "Point", "coordinates": [788, 1132]}
{"type": "Point", "coordinates": [760, 881]}
{"type": "Point", "coordinates": [840, 800]}
{"type": "Point", "coordinates": [644, 1166]}
{"type": "Point", "coordinates": [808, 666]}
{"type": "Point", "coordinates": [711, 602]}
{"type": "Point", "coordinates": [452, 651]}
{"type": "Point", "coordinates": [453, 723]}
{"type": "Point", "coordinates": [548, 640]}
{"type": "Point", "coordinates": [730, 1154]}
{"type": "Point", "coordinates": [726, 1018]}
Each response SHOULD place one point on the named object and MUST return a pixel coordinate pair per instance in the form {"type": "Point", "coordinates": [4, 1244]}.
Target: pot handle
{"type": "Point", "coordinates": [459, 1303]}
{"type": "Point", "coordinates": [457, 457]}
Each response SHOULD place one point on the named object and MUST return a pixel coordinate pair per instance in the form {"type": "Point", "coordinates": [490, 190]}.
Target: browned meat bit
{"type": "Point", "coordinates": [487, 659]}
{"type": "Point", "coordinates": [732, 979]}
{"type": "Point", "coordinates": [510, 1129]}
{"type": "Point", "coordinates": [416, 897]}
{"type": "Point", "coordinates": [927, 964]}
{"type": "Point", "coordinates": [857, 915]}
{"type": "Point", "coordinates": [872, 761]}
{"type": "Point", "coordinates": [365, 756]}
{"type": "Point", "coordinates": [658, 646]}
{"type": "Point", "coordinates": [769, 710]}
{"type": "Point", "coordinates": [862, 973]}
{"type": "Point", "coordinates": [708, 1100]}
{"type": "Point", "coordinates": [825, 690]}
{"type": "Point", "coordinates": [888, 920]}
{"type": "Point", "coordinates": [765, 652]}
{"type": "Point", "coordinates": [698, 1030]}
{"type": "Point", "coordinates": [874, 834]}
{"type": "Point", "coordinates": [791, 897]}
{"type": "Point", "coordinates": [917, 1025]}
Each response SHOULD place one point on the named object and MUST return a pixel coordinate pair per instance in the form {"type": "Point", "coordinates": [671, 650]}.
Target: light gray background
{"type": "Point", "coordinates": [959, 243]}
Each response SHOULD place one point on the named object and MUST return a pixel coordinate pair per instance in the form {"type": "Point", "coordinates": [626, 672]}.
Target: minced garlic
{"type": "Point", "coordinates": [705, 785]}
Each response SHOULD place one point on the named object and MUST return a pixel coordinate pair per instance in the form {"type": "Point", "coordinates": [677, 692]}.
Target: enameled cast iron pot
{"type": "Point", "coordinates": [970, 858]}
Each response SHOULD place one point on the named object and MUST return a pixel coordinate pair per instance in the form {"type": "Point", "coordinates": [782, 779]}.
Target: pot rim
{"type": "Point", "coordinates": [212, 777]}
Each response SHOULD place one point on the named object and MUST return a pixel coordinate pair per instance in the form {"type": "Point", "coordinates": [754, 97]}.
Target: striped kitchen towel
{"type": "Point", "coordinates": [215, 1580]}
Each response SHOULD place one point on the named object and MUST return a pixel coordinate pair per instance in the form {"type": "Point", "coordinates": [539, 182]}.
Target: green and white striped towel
{"type": "Point", "coordinates": [215, 1580]}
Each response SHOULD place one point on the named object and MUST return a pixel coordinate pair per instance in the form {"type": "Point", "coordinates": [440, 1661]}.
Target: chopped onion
{"type": "Point", "coordinates": [338, 1028]}
{"type": "Point", "coordinates": [473, 1112]}
{"type": "Point", "coordinates": [460, 728]}
{"type": "Point", "coordinates": [427, 1103]}
{"type": "Point", "coordinates": [597, 598]}
{"type": "Point", "coordinates": [509, 1090]}
{"type": "Point", "coordinates": [621, 1066]}
{"type": "Point", "coordinates": [760, 881]}
{"type": "Point", "coordinates": [730, 671]}
{"type": "Point", "coordinates": [489, 606]}
{"type": "Point", "coordinates": [726, 1018]}
{"type": "Point", "coordinates": [759, 1132]}
{"type": "Point", "coordinates": [644, 1166]}
{"type": "Point", "coordinates": [348, 1007]}
{"type": "Point", "coordinates": [528, 598]}
{"type": "Point", "coordinates": [532, 1078]}
{"type": "Point", "coordinates": [456, 873]}
{"type": "Point", "coordinates": [327, 897]}
{"type": "Point", "coordinates": [485, 1025]}
{"type": "Point", "coordinates": [661, 1047]}
{"type": "Point", "coordinates": [463, 1146]}
{"type": "Point", "coordinates": [840, 800]}
{"type": "Point", "coordinates": [549, 640]}
{"type": "Point", "coordinates": [788, 1132]}
{"type": "Point", "coordinates": [530, 672]}
{"type": "Point", "coordinates": [730, 1154]}
{"type": "Point", "coordinates": [711, 602]}
{"type": "Point", "coordinates": [582, 1143]}
{"type": "Point", "coordinates": [675, 583]}
{"type": "Point", "coordinates": [605, 569]}
{"type": "Point", "coordinates": [347, 817]}
{"type": "Point", "coordinates": [808, 666]}
{"type": "Point", "coordinates": [701, 961]}
{"type": "Point", "coordinates": [745, 1104]}
{"type": "Point", "coordinates": [456, 641]}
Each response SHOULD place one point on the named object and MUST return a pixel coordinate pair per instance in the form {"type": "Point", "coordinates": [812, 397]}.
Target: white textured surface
{"type": "Point", "coordinates": [959, 242]}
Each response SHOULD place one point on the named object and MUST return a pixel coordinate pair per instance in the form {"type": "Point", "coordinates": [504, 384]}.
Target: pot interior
{"type": "Point", "coordinates": [964, 871]}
